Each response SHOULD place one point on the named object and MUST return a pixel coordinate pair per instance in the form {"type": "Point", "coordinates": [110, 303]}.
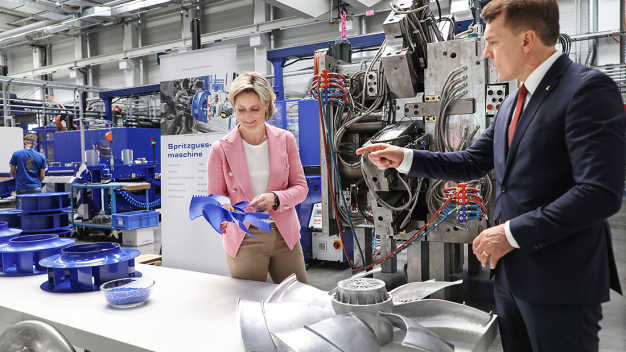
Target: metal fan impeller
{"type": "Point", "coordinates": [360, 315]}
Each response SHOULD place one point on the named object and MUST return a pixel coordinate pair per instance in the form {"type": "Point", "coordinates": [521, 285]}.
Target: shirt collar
{"type": "Point", "coordinates": [533, 80]}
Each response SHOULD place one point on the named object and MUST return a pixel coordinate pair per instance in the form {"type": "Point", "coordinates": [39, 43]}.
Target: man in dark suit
{"type": "Point", "coordinates": [557, 145]}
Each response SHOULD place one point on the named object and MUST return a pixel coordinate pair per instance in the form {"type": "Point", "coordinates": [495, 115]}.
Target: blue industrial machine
{"type": "Point", "coordinates": [304, 211]}
{"type": "Point", "coordinates": [301, 117]}
{"type": "Point", "coordinates": [107, 97]}
{"type": "Point", "coordinates": [67, 146]}
{"type": "Point", "coordinates": [45, 141]}
{"type": "Point", "coordinates": [104, 162]}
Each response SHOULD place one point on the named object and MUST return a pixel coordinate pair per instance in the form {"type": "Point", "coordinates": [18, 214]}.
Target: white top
{"type": "Point", "coordinates": [187, 311]}
{"type": "Point", "coordinates": [532, 82]}
{"type": "Point", "coordinates": [258, 158]}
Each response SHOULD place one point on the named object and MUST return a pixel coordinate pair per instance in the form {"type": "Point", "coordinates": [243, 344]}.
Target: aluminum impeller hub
{"type": "Point", "coordinates": [365, 297]}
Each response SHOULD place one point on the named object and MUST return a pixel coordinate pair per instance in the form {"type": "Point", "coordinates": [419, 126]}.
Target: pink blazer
{"type": "Point", "coordinates": [228, 175]}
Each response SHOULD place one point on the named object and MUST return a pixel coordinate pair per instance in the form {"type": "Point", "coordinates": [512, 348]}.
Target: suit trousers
{"type": "Point", "coordinates": [269, 254]}
{"type": "Point", "coordinates": [526, 327]}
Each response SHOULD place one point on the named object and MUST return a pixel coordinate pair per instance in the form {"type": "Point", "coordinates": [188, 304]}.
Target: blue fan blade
{"type": "Point", "coordinates": [244, 228]}
{"type": "Point", "coordinates": [259, 215]}
{"type": "Point", "coordinates": [252, 220]}
{"type": "Point", "coordinates": [242, 205]}
{"type": "Point", "coordinates": [198, 202]}
{"type": "Point", "coordinates": [215, 216]}
{"type": "Point", "coordinates": [195, 207]}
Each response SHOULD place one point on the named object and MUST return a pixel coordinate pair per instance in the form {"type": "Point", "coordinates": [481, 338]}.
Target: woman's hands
{"type": "Point", "coordinates": [263, 202]}
{"type": "Point", "coordinates": [228, 207]}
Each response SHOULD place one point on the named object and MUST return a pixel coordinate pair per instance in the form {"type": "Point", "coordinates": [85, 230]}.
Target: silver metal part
{"type": "Point", "coordinates": [418, 336]}
{"type": "Point", "coordinates": [365, 326]}
{"type": "Point", "coordinates": [253, 332]}
{"type": "Point", "coordinates": [371, 84]}
{"type": "Point", "coordinates": [34, 336]}
{"type": "Point", "coordinates": [292, 290]}
{"type": "Point", "coordinates": [302, 340]}
{"type": "Point", "coordinates": [399, 68]}
{"type": "Point", "coordinates": [444, 311]}
{"type": "Point", "coordinates": [418, 290]}
{"type": "Point", "coordinates": [459, 107]}
{"type": "Point", "coordinates": [338, 327]}
{"type": "Point", "coordinates": [365, 297]}
{"type": "Point", "coordinates": [292, 315]}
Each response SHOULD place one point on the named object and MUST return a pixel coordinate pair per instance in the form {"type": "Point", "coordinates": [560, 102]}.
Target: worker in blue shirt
{"type": "Point", "coordinates": [28, 167]}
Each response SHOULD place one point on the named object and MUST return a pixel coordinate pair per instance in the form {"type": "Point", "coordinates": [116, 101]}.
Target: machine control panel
{"type": "Point", "coordinates": [494, 96]}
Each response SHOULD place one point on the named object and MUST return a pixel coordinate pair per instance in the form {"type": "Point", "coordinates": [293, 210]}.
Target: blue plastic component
{"type": "Point", "coordinates": [51, 222]}
{"type": "Point", "coordinates": [199, 105]}
{"type": "Point", "coordinates": [211, 207]}
{"type": "Point", "coordinates": [6, 187]}
{"type": "Point", "coordinates": [45, 202]}
{"type": "Point", "coordinates": [11, 217]}
{"type": "Point", "coordinates": [21, 256]}
{"type": "Point", "coordinates": [83, 268]}
{"type": "Point", "coordinates": [135, 219]}
{"type": "Point", "coordinates": [7, 233]}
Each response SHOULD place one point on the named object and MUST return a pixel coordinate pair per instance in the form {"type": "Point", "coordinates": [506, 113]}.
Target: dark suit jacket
{"type": "Point", "coordinates": [559, 182]}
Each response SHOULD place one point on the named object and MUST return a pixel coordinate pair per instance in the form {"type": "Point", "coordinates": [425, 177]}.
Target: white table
{"type": "Point", "coordinates": [187, 311]}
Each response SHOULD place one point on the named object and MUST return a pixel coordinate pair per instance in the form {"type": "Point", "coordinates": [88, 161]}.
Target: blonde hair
{"type": "Point", "coordinates": [254, 82]}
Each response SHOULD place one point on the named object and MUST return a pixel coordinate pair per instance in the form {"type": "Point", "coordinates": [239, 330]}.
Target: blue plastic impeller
{"type": "Point", "coordinates": [211, 207]}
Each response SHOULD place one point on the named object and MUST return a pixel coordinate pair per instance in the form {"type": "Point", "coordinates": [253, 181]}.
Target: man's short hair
{"type": "Point", "coordinates": [32, 138]}
{"type": "Point", "coordinates": [540, 16]}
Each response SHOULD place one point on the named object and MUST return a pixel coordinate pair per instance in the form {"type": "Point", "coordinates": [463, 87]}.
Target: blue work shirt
{"type": "Point", "coordinates": [29, 164]}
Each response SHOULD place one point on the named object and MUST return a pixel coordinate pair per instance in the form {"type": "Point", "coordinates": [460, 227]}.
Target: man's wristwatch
{"type": "Point", "coordinates": [276, 201]}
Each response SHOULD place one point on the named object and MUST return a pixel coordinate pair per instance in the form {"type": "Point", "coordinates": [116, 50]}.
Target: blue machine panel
{"type": "Point", "coordinates": [309, 126]}
{"type": "Point", "coordinates": [304, 210]}
{"type": "Point", "coordinates": [67, 144]}
{"type": "Point", "coordinates": [302, 118]}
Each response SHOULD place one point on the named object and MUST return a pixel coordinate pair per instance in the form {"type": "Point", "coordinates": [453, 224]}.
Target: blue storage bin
{"type": "Point", "coordinates": [135, 219]}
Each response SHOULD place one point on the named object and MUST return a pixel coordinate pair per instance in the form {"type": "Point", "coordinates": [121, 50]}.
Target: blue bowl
{"type": "Point", "coordinates": [128, 292]}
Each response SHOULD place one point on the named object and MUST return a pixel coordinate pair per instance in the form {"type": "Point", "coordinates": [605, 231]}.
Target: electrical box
{"type": "Point", "coordinates": [330, 247]}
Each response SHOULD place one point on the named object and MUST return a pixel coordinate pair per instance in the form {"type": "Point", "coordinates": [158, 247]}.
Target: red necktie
{"type": "Point", "coordinates": [521, 96]}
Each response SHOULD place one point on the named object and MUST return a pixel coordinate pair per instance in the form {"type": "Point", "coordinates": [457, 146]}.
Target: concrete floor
{"type": "Point", "coordinates": [476, 290]}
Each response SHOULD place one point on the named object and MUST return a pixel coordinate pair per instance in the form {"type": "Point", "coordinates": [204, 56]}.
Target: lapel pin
{"type": "Point", "coordinates": [548, 87]}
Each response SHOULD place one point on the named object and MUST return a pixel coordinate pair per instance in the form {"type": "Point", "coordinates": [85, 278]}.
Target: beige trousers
{"type": "Point", "coordinates": [269, 254]}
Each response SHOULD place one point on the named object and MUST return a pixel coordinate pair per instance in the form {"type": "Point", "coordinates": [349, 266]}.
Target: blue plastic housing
{"type": "Point", "coordinates": [11, 217]}
{"type": "Point", "coordinates": [21, 255]}
{"type": "Point", "coordinates": [6, 187]}
{"type": "Point", "coordinates": [83, 268]}
{"type": "Point", "coordinates": [44, 202]}
{"type": "Point", "coordinates": [7, 233]}
{"type": "Point", "coordinates": [36, 222]}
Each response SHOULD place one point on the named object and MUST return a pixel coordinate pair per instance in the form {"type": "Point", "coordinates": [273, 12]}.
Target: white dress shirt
{"type": "Point", "coordinates": [532, 82]}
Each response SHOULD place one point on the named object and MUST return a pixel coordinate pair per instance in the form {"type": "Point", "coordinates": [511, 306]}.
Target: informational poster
{"type": "Point", "coordinates": [188, 244]}
{"type": "Point", "coordinates": [194, 91]}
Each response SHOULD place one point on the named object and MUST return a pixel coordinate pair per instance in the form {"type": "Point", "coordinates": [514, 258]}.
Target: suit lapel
{"type": "Point", "coordinates": [236, 157]}
{"type": "Point", "coordinates": [548, 84]}
{"type": "Point", "coordinates": [276, 145]}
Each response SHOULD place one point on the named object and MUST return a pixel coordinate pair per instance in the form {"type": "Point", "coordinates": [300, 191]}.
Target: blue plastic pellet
{"type": "Point", "coordinates": [123, 296]}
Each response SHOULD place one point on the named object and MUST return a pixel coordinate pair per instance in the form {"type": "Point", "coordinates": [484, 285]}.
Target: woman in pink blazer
{"type": "Point", "coordinates": [260, 164]}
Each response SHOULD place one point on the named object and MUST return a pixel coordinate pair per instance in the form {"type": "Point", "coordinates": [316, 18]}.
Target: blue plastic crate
{"type": "Point", "coordinates": [135, 219]}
